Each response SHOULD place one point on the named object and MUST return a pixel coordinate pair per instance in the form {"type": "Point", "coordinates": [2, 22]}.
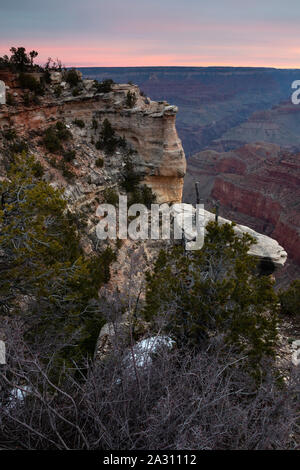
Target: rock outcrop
{"type": "Point", "coordinates": [265, 248]}
{"type": "Point", "coordinates": [148, 127]}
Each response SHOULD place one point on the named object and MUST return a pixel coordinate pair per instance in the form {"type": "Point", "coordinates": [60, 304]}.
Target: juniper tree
{"type": "Point", "coordinates": [195, 295]}
{"type": "Point", "coordinates": [45, 277]}
{"type": "Point", "coordinates": [290, 299]}
{"type": "Point", "coordinates": [131, 99]}
{"type": "Point", "coordinates": [108, 140]}
{"type": "Point", "coordinates": [19, 57]}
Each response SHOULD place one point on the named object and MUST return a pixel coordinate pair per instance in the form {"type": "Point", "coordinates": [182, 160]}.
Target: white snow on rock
{"type": "Point", "coordinates": [141, 352]}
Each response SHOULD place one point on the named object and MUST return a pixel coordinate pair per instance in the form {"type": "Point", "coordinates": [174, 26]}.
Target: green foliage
{"type": "Point", "coordinates": [19, 147]}
{"type": "Point", "coordinates": [111, 196]}
{"type": "Point", "coordinates": [37, 169]}
{"type": "Point", "coordinates": [57, 91]}
{"type": "Point", "coordinates": [79, 123]}
{"type": "Point", "coordinates": [69, 155]}
{"type": "Point", "coordinates": [26, 99]}
{"type": "Point", "coordinates": [10, 100]}
{"type": "Point", "coordinates": [214, 290]}
{"type": "Point", "coordinates": [108, 140]}
{"type": "Point", "coordinates": [76, 91]}
{"type": "Point", "coordinates": [130, 179]}
{"type": "Point", "coordinates": [55, 135]}
{"type": "Point", "coordinates": [94, 124]}
{"type": "Point", "coordinates": [19, 57]}
{"type": "Point", "coordinates": [28, 81]}
{"type": "Point", "coordinates": [148, 197]}
{"type": "Point", "coordinates": [66, 172]}
{"type": "Point", "coordinates": [72, 77]}
{"type": "Point", "coordinates": [99, 162]}
{"type": "Point", "coordinates": [51, 140]}
{"type": "Point", "coordinates": [106, 257]}
{"type": "Point", "coordinates": [47, 77]}
{"type": "Point", "coordinates": [142, 195]}
{"type": "Point", "coordinates": [104, 86]}
{"type": "Point", "coordinates": [9, 134]}
{"type": "Point", "coordinates": [32, 55]}
{"type": "Point", "coordinates": [55, 65]}
{"type": "Point", "coordinates": [131, 99]}
{"type": "Point", "coordinates": [62, 131]}
{"type": "Point", "coordinates": [62, 166]}
{"type": "Point", "coordinates": [290, 299]}
{"type": "Point", "coordinates": [4, 61]}
{"type": "Point", "coordinates": [41, 260]}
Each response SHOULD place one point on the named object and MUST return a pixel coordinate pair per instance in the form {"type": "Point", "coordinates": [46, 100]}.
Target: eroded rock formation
{"type": "Point", "coordinates": [257, 185]}
{"type": "Point", "coordinates": [148, 127]}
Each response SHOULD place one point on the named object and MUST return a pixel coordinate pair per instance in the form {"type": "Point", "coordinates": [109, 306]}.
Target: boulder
{"type": "Point", "coordinates": [56, 77]}
{"type": "Point", "coordinates": [296, 352]}
{"type": "Point", "coordinates": [122, 327]}
{"type": "Point", "coordinates": [88, 84]}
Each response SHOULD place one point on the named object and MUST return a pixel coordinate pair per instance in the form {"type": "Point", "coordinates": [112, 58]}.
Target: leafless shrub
{"type": "Point", "coordinates": [182, 401]}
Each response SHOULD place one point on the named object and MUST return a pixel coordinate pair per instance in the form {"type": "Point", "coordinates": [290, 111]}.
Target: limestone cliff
{"type": "Point", "coordinates": [148, 127]}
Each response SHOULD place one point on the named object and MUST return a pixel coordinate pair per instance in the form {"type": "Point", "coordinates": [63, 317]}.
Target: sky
{"type": "Point", "coordinates": [112, 33]}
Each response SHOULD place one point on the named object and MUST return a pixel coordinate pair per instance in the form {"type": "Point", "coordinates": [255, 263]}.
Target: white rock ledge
{"type": "Point", "coordinates": [265, 247]}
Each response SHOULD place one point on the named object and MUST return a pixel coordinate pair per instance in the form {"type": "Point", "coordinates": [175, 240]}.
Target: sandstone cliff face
{"type": "Point", "coordinates": [149, 128]}
{"type": "Point", "coordinates": [257, 185]}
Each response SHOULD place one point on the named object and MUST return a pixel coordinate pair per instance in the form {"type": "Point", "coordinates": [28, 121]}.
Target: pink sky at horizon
{"type": "Point", "coordinates": [128, 33]}
{"type": "Point", "coordinates": [125, 56]}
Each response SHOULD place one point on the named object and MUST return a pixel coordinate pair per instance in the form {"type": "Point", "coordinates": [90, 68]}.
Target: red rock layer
{"type": "Point", "coordinates": [257, 185]}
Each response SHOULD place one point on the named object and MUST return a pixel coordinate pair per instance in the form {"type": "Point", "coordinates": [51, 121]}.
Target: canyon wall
{"type": "Point", "coordinates": [257, 185]}
{"type": "Point", "coordinates": [148, 128]}
{"type": "Point", "coordinates": [219, 107]}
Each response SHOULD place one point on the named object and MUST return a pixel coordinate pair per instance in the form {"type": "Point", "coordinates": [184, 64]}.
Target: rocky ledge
{"type": "Point", "coordinates": [266, 248]}
{"type": "Point", "coordinates": [147, 126]}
